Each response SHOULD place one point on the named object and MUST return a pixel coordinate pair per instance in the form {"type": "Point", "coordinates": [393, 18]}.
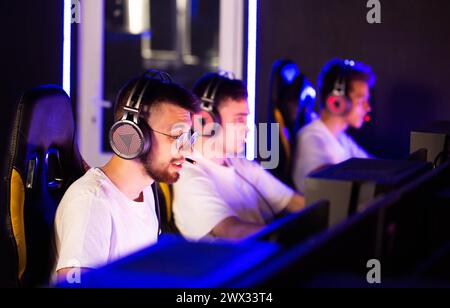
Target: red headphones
{"type": "Point", "coordinates": [337, 102]}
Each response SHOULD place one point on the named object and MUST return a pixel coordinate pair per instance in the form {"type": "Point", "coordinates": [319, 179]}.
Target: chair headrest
{"type": "Point", "coordinates": [46, 118]}
{"type": "Point", "coordinates": [43, 144]}
{"type": "Point", "coordinates": [283, 74]}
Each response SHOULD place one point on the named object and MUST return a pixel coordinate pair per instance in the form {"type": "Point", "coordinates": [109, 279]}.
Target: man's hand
{"type": "Point", "coordinates": [233, 228]}
{"type": "Point", "coordinates": [297, 203]}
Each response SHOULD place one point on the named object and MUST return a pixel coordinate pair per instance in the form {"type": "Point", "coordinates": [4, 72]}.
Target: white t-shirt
{"type": "Point", "coordinates": [208, 193]}
{"type": "Point", "coordinates": [317, 146]}
{"type": "Point", "coordinates": [96, 224]}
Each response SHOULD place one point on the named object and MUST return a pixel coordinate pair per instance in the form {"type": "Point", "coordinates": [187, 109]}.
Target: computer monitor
{"type": "Point", "coordinates": [416, 224]}
{"type": "Point", "coordinates": [297, 227]}
{"type": "Point", "coordinates": [349, 186]}
{"type": "Point", "coordinates": [176, 263]}
{"type": "Point", "coordinates": [435, 139]}
{"type": "Point", "coordinates": [338, 253]}
{"type": "Point", "coordinates": [435, 269]}
{"type": "Point", "coordinates": [419, 155]}
{"type": "Point", "coordinates": [407, 231]}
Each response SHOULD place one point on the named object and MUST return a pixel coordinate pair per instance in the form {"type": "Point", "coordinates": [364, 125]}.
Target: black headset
{"type": "Point", "coordinates": [129, 137]}
{"type": "Point", "coordinates": [338, 103]}
{"type": "Point", "coordinates": [208, 98]}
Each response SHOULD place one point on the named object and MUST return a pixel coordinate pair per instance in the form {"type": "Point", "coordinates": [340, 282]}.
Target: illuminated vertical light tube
{"type": "Point", "coordinates": [251, 75]}
{"type": "Point", "coordinates": [67, 22]}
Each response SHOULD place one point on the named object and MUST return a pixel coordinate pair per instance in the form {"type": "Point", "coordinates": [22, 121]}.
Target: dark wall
{"type": "Point", "coordinates": [409, 51]}
{"type": "Point", "coordinates": [30, 52]}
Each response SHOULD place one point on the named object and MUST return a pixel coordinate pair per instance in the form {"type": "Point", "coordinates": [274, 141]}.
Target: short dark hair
{"type": "Point", "coordinates": [349, 70]}
{"type": "Point", "coordinates": [229, 88]}
{"type": "Point", "coordinates": [156, 92]}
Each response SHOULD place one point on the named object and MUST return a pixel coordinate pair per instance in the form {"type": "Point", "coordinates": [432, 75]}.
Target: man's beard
{"type": "Point", "coordinates": [160, 175]}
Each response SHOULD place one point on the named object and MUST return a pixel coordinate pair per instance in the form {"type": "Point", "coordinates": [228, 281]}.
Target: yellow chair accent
{"type": "Point", "coordinates": [284, 141]}
{"type": "Point", "coordinates": [17, 218]}
{"type": "Point", "coordinates": [168, 199]}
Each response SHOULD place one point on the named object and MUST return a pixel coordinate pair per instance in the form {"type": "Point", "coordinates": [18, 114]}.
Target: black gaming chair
{"type": "Point", "coordinates": [42, 162]}
{"type": "Point", "coordinates": [291, 105]}
{"type": "Point", "coordinates": [165, 197]}
{"type": "Point", "coordinates": [283, 74]}
{"type": "Point", "coordinates": [301, 94]}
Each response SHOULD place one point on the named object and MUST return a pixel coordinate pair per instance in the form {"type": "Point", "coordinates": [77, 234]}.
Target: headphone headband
{"type": "Point", "coordinates": [337, 101]}
{"type": "Point", "coordinates": [209, 95]}
{"type": "Point", "coordinates": [133, 105]}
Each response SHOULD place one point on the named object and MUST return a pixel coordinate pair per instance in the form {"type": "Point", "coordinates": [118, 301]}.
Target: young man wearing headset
{"type": "Point", "coordinates": [344, 87]}
{"type": "Point", "coordinates": [110, 212]}
{"type": "Point", "coordinates": [224, 195]}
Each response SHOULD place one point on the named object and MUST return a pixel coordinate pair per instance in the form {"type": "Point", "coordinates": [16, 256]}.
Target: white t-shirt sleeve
{"type": "Point", "coordinates": [198, 208]}
{"type": "Point", "coordinates": [357, 151]}
{"type": "Point", "coordinates": [273, 190]}
{"type": "Point", "coordinates": [313, 152]}
{"type": "Point", "coordinates": [83, 229]}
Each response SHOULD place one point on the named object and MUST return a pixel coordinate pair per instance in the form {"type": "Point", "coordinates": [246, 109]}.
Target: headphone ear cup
{"type": "Point", "coordinates": [207, 123]}
{"type": "Point", "coordinates": [128, 140]}
{"type": "Point", "coordinates": [337, 105]}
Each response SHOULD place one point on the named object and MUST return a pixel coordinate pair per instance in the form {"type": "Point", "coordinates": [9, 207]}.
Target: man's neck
{"type": "Point", "coordinates": [128, 176]}
{"type": "Point", "coordinates": [336, 125]}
